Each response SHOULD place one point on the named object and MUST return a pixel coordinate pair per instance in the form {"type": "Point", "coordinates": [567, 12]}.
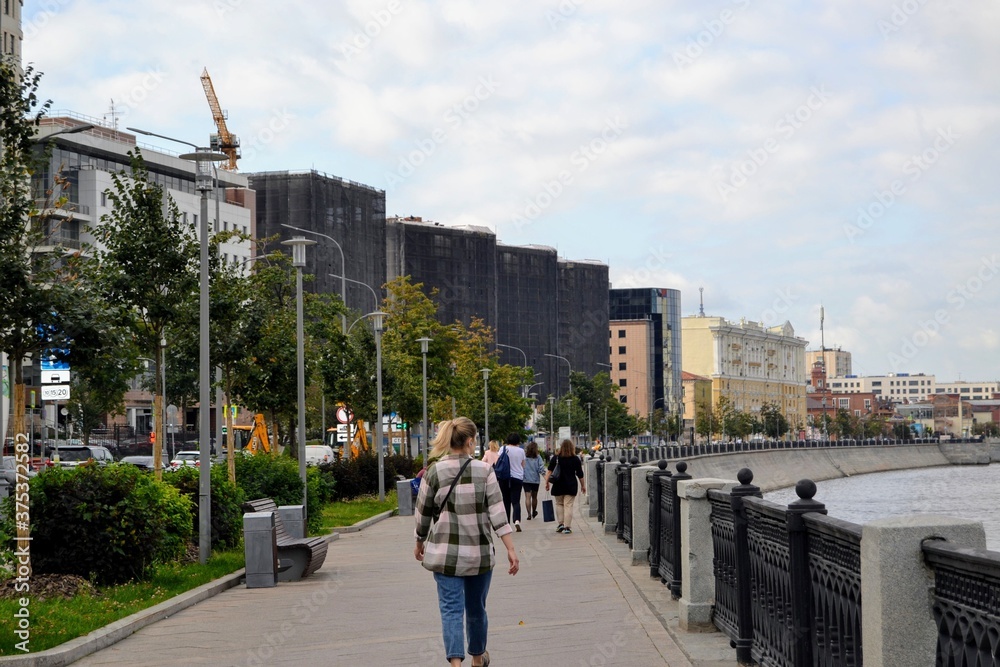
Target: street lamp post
{"type": "Point", "coordinates": [424, 342]}
{"type": "Point", "coordinates": [552, 421]}
{"type": "Point", "coordinates": [605, 443]}
{"type": "Point", "coordinates": [556, 356]}
{"type": "Point", "coordinates": [162, 444]}
{"type": "Point", "coordinates": [486, 404]}
{"type": "Point", "coordinates": [357, 282]}
{"type": "Point", "coordinates": [343, 268]}
{"type": "Point", "coordinates": [378, 318]}
{"type": "Point", "coordinates": [298, 245]}
{"type": "Point", "coordinates": [590, 436]}
{"type": "Point", "coordinates": [569, 415]}
{"type": "Point", "coordinates": [204, 183]}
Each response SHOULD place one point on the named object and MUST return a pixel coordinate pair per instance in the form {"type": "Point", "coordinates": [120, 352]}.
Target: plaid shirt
{"type": "Point", "coordinates": [460, 543]}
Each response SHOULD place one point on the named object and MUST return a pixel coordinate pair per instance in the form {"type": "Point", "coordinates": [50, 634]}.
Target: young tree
{"type": "Point", "coordinates": [145, 265]}
{"type": "Point", "coordinates": [24, 299]}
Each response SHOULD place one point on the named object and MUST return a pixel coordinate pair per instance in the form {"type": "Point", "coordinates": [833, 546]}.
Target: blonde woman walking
{"type": "Point", "coordinates": [455, 539]}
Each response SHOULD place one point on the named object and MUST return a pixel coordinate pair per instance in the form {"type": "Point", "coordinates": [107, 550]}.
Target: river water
{"type": "Point", "coordinates": [968, 492]}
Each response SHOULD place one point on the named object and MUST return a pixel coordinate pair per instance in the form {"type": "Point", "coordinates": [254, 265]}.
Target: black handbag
{"type": "Point", "coordinates": [556, 472]}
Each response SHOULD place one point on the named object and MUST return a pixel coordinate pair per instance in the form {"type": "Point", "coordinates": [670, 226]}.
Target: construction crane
{"type": "Point", "coordinates": [225, 141]}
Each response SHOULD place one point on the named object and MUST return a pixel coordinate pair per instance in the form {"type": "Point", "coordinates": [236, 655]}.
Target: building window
{"type": "Point", "coordinates": [621, 334]}
{"type": "Point", "coordinates": [621, 366]}
{"type": "Point", "coordinates": [845, 403]}
{"type": "Point", "coordinates": [623, 398]}
{"type": "Point", "coordinates": [621, 349]}
{"type": "Point", "coordinates": [104, 202]}
{"type": "Point", "coordinates": [623, 382]}
{"type": "Point", "coordinates": [868, 404]}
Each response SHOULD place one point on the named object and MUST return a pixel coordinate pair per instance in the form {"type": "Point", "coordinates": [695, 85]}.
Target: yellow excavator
{"type": "Point", "coordinates": [252, 438]}
{"type": "Point", "coordinates": [359, 439]}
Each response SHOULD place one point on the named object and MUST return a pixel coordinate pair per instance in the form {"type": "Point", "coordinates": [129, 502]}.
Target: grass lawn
{"type": "Point", "coordinates": [55, 621]}
{"type": "Point", "coordinates": [349, 512]}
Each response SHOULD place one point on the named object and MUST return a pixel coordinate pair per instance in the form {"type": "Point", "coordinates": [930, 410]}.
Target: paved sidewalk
{"type": "Point", "coordinates": [574, 602]}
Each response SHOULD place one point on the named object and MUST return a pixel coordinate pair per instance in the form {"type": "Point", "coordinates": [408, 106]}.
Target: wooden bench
{"type": "Point", "coordinates": [306, 555]}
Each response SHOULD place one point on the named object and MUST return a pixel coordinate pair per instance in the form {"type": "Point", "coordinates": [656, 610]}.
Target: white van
{"type": "Point", "coordinates": [319, 454]}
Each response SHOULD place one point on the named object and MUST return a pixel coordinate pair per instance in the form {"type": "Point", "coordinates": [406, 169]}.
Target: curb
{"type": "Point", "coordinates": [75, 649]}
{"type": "Point", "coordinates": [361, 525]}
{"type": "Point", "coordinates": [92, 642]}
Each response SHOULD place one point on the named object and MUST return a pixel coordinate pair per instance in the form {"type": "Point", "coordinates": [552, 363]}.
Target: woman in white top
{"type": "Point", "coordinates": [511, 488]}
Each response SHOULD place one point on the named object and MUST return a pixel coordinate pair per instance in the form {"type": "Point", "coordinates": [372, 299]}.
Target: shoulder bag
{"type": "Point", "coordinates": [556, 472]}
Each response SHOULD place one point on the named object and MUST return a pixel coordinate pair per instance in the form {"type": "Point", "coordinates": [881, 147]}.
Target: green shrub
{"type": "Point", "coordinates": [269, 476]}
{"type": "Point", "coordinates": [227, 515]}
{"type": "Point", "coordinates": [109, 524]}
{"type": "Point", "coordinates": [358, 476]}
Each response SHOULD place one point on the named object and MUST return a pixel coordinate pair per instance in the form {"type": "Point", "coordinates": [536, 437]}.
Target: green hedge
{"type": "Point", "coordinates": [109, 524]}
{"type": "Point", "coordinates": [358, 476]}
{"type": "Point", "coordinates": [277, 477]}
{"type": "Point", "coordinates": [227, 515]}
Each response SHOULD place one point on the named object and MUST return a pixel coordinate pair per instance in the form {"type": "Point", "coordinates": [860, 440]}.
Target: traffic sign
{"type": "Point", "coordinates": [50, 363]}
{"type": "Point", "coordinates": [344, 415]}
{"type": "Point", "coordinates": [55, 392]}
{"type": "Point", "coordinates": [55, 377]}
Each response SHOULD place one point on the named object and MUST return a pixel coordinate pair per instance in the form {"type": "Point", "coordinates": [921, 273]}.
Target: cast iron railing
{"type": "Point", "coordinates": [659, 482]}
{"type": "Point", "coordinates": [623, 475]}
{"type": "Point", "coordinates": [787, 580]}
{"type": "Point", "coordinates": [966, 604]}
{"type": "Point", "coordinates": [600, 489]}
{"type": "Point", "coordinates": [835, 571]}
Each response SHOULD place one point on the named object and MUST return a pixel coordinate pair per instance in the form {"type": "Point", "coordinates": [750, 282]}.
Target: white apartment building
{"type": "Point", "coordinates": [899, 387]}
{"type": "Point", "coordinates": [87, 160]}
{"type": "Point", "coordinates": [972, 391]}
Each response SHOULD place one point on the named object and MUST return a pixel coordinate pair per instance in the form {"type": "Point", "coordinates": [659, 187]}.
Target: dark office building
{"type": "Point", "coordinates": [582, 319]}
{"type": "Point", "coordinates": [662, 308]}
{"type": "Point", "coordinates": [536, 303]}
{"type": "Point", "coordinates": [351, 213]}
{"type": "Point", "coordinates": [526, 309]}
{"type": "Point", "coordinates": [460, 262]}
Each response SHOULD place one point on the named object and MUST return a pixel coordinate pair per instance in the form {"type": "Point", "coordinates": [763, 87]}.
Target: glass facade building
{"type": "Point", "coordinates": [662, 308]}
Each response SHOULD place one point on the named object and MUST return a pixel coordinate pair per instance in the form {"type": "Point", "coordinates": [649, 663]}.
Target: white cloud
{"type": "Point", "coordinates": [564, 69]}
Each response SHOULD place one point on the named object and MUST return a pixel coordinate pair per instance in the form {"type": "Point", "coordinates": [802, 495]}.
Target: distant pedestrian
{"type": "Point", "coordinates": [564, 487]}
{"type": "Point", "coordinates": [491, 455]}
{"type": "Point", "coordinates": [534, 468]}
{"type": "Point", "coordinates": [511, 487]}
{"type": "Point", "coordinates": [455, 538]}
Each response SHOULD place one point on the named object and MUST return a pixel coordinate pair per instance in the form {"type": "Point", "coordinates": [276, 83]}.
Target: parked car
{"type": "Point", "coordinates": [10, 470]}
{"type": "Point", "coordinates": [144, 462]}
{"type": "Point", "coordinates": [71, 456]}
{"type": "Point", "coordinates": [319, 454]}
{"type": "Point", "coordinates": [186, 458]}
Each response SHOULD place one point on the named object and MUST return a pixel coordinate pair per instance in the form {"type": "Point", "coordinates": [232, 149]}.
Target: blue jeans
{"type": "Point", "coordinates": [460, 597]}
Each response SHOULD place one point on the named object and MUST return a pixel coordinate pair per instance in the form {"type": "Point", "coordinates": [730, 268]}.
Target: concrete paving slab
{"type": "Point", "coordinates": [576, 601]}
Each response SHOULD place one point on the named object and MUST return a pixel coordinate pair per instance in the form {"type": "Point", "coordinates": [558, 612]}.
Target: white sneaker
{"type": "Point", "coordinates": [517, 526]}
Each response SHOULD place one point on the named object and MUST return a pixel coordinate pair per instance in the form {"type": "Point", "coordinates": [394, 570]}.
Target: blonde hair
{"type": "Point", "coordinates": [452, 434]}
{"type": "Point", "coordinates": [494, 446]}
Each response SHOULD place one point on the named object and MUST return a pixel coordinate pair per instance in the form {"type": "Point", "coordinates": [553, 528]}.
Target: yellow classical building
{"type": "Point", "coordinates": [748, 363]}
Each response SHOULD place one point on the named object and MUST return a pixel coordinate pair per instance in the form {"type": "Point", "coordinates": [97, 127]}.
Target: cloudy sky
{"type": "Point", "coordinates": [782, 156]}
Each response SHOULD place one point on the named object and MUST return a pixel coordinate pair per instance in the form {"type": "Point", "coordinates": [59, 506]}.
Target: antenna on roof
{"type": "Point", "coordinates": [113, 112]}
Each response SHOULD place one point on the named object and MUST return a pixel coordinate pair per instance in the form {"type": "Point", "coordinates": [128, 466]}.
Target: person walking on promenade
{"type": "Point", "coordinates": [455, 539]}
{"type": "Point", "coordinates": [534, 468]}
{"type": "Point", "coordinates": [511, 487]}
{"type": "Point", "coordinates": [564, 487]}
{"type": "Point", "coordinates": [491, 455]}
